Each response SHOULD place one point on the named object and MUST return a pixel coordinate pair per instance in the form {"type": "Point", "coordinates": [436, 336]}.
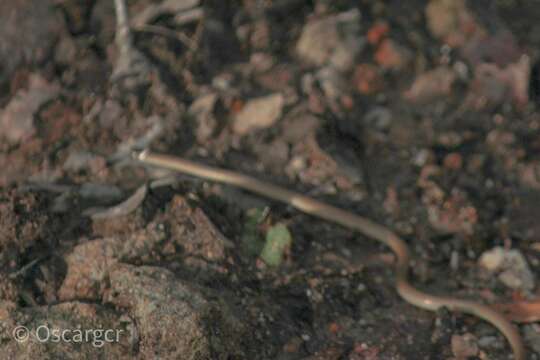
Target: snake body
{"type": "Point", "coordinates": [347, 219]}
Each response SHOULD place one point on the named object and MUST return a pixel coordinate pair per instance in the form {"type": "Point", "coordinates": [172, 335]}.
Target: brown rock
{"type": "Point", "coordinates": [87, 267]}
{"type": "Point", "coordinates": [451, 21]}
{"type": "Point", "coordinates": [431, 85]}
{"type": "Point", "coordinates": [175, 320]}
{"type": "Point", "coordinates": [17, 118]}
{"type": "Point", "coordinates": [493, 85]}
{"type": "Point", "coordinates": [334, 39]}
{"type": "Point", "coordinates": [53, 332]}
{"type": "Point", "coordinates": [195, 233]}
{"type": "Point", "coordinates": [464, 346]}
{"type": "Point", "coordinates": [259, 113]}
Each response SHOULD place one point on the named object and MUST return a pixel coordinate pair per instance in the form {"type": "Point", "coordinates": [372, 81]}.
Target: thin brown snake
{"type": "Point", "coordinates": [367, 227]}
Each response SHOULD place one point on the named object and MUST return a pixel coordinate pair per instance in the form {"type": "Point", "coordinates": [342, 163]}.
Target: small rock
{"type": "Point", "coordinates": [391, 55]}
{"type": "Point", "coordinates": [377, 32]}
{"type": "Point", "coordinates": [423, 157]}
{"type": "Point", "coordinates": [493, 85]}
{"type": "Point", "coordinates": [450, 139]}
{"type": "Point", "coordinates": [334, 39]}
{"type": "Point", "coordinates": [261, 61]}
{"type": "Point", "coordinates": [453, 215]}
{"type": "Point", "coordinates": [487, 342]}
{"type": "Point", "coordinates": [511, 266]}
{"type": "Point", "coordinates": [259, 113]}
{"type": "Point", "coordinates": [273, 155]}
{"type": "Point", "coordinates": [501, 48]}
{"type": "Point", "coordinates": [464, 346]}
{"type": "Point", "coordinates": [367, 79]}
{"type": "Point", "coordinates": [431, 85]}
{"type": "Point", "coordinates": [451, 21]}
{"type": "Point", "coordinates": [87, 266]}
{"type": "Point", "coordinates": [17, 118]}
{"type": "Point", "coordinates": [298, 124]}
{"type": "Point", "coordinates": [453, 161]}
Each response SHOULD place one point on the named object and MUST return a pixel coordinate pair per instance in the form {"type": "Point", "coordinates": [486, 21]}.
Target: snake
{"type": "Point", "coordinates": [351, 221]}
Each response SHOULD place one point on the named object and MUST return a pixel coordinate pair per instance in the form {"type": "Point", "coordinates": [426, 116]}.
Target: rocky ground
{"type": "Point", "coordinates": [421, 115]}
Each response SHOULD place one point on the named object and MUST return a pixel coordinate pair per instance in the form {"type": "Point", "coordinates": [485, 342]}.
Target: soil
{"type": "Point", "coordinates": [421, 115]}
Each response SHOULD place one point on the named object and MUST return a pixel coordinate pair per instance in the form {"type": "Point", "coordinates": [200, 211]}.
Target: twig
{"type": "Point", "coordinates": [131, 67]}
{"type": "Point", "coordinates": [25, 268]}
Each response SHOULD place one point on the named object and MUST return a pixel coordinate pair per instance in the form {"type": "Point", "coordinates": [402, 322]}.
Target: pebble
{"type": "Point", "coordinates": [367, 79]}
{"type": "Point", "coordinates": [390, 55]}
{"type": "Point", "coordinates": [334, 40]}
{"type": "Point", "coordinates": [449, 20]}
{"type": "Point", "coordinates": [464, 346]}
{"type": "Point", "coordinates": [431, 85]}
{"type": "Point", "coordinates": [259, 113]}
{"type": "Point", "coordinates": [511, 266]}
{"type": "Point", "coordinates": [453, 161]}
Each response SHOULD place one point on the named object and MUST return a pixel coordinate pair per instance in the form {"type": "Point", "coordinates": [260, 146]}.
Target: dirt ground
{"type": "Point", "coordinates": [420, 115]}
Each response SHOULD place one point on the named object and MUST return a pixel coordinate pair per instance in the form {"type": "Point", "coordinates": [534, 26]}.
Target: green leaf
{"type": "Point", "coordinates": [252, 242]}
{"type": "Point", "coordinates": [278, 240]}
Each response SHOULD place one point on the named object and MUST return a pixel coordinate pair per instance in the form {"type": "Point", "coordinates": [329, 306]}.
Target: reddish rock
{"type": "Point", "coordinates": [453, 161]}
{"type": "Point", "coordinates": [367, 79]}
{"type": "Point", "coordinates": [377, 32]}
{"type": "Point", "coordinates": [390, 55]}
